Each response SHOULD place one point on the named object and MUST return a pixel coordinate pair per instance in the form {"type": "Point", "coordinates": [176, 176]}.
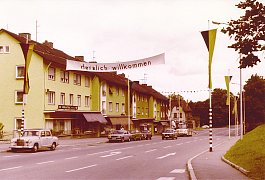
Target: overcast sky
{"type": "Point", "coordinates": [124, 30]}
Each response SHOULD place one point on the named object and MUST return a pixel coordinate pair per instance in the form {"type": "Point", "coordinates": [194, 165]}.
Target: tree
{"type": "Point", "coordinates": [248, 32]}
{"type": "Point", "coordinates": [255, 101]}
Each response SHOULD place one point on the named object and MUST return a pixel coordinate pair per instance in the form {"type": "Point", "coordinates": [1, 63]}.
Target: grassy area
{"type": "Point", "coordinates": [249, 153]}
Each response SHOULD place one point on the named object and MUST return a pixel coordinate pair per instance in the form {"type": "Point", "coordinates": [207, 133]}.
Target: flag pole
{"type": "Point", "coordinates": [210, 106]}
{"type": "Point", "coordinates": [129, 122]}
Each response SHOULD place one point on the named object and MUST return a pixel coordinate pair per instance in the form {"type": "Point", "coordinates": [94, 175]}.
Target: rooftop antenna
{"type": "Point", "coordinates": [93, 55]}
{"type": "Point", "coordinates": [37, 30]}
{"type": "Point", "coordinates": [144, 79]}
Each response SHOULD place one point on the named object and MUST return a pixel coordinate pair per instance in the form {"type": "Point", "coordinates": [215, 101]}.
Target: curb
{"type": "Point", "coordinates": [242, 170]}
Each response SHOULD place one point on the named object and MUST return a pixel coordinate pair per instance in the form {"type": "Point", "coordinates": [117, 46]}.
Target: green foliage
{"type": "Point", "coordinates": [255, 101]}
{"type": "Point", "coordinates": [248, 32]}
{"type": "Point", "coordinates": [249, 153]}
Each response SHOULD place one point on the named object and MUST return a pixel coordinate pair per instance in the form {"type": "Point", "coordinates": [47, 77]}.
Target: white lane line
{"type": "Point", "coordinates": [6, 169]}
{"type": "Point", "coordinates": [179, 144]}
{"type": "Point", "coordinates": [166, 178]}
{"type": "Point", "coordinates": [11, 156]}
{"type": "Point", "coordinates": [162, 157]}
{"type": "Point", "coordinates": [124, 158]}
{"type": "Point", "coordinates": [167, 147]}
{"type": "Point", "coordinates": [150, 150]}
{"type": "Point", "coordinates": [110, 151]}
{"type": "Point", "coordinates": [74, 157]}
{"type": "Point", "coordinates": [178, 171]}
{"type": "Point", "coordinates": [45, 162]}
{"type": "Point", "coordinates": [111, 154]}
{"type": "Point", "coordinates": [81, 168]}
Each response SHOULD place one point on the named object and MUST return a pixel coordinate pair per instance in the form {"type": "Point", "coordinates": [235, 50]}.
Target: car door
{"type": "Point", "coordinates": [49, 138]}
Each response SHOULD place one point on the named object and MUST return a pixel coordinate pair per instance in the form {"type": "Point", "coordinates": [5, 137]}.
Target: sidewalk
{"type": "Point", "coordinates": [209, 165]}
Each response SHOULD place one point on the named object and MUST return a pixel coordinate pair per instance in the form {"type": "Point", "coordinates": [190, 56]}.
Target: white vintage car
{"type": "Point", "coordinates": [34, 139]}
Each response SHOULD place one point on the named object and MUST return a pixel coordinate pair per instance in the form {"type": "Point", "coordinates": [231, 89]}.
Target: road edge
{"type": "Point", "coordinates": [242, 170]}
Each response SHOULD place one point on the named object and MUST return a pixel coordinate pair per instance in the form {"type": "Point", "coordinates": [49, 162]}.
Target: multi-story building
{"type": "Point", "coordinates": [69, 102]}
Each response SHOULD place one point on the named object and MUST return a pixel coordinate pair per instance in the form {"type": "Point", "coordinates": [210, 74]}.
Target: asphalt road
{"type": "Point", "coordinates": [146, 159]}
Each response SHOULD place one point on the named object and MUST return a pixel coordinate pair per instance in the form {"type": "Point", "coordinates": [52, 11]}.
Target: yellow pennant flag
{"type": "Point", "coordinates": [227, 82]}
{"type": "Point", "coordinates": [27, 52]}
{"type": "Point", "coordinates": [209, 38]}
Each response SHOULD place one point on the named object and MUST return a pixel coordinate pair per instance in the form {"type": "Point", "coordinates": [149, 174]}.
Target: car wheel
{"type": "Point", "coordinates": [53, 147]}
{"type": "Point", "coordinates": [163, 138]}
{"type": "Point", "coordinates": [122, 140]}
{"type": "Point", "coordinates": [129, 139]}
{"type": "Point", "coordinates": [35, 148]}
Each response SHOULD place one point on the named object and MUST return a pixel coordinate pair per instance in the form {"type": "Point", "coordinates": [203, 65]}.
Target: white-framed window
{"type": "Point", "coordinates": [123, 92]}
{"type": "Point", "coordinates": [19, 97]}
{"type": "Point", "coordinates": [62, 99]}
{"type": "Point", "coordinates": [79, 100]}
{"type": "Point", "coordinates": [51, 73]}
{"type": "Point", "coordinates": [117, 107]}
{"type": "Point", "coordinates": [77, 79]}
{"type": "Point", "coordinates": [51, 97]}
{"type": "Point", "coordinates": [123, 108]}
{"type": "Point", "coordinates": [71, 99]}
{"type": "Point", "coordinates": [87, 81]}
{"type": "Point", "coordinates": [110, 106]}
{"type": "Point", "coordinates": [103, 107]}
{"type": "Point", "coordinates": [117, 91]}
{"type": "Point", "coordinates": [64, 76]}
{"type": "Point", "coordinates": [4, 49]}
{"type": "Point", "coordinates": [20, 72]}
{"type": "Point", "coordinates": [87, 101]}
{"type": "Point", "coordinates": [18, 122]}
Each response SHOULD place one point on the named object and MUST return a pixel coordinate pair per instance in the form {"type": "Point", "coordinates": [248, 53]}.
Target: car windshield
{"type": "Point", "coordinates": [30, 133]}
{"type": "Point", "coordinates": [118, 132]}
{"type": "Point", "coordinates": [168, 130]}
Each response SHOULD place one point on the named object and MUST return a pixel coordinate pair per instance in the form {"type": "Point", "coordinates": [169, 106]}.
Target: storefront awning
{"type": "Point", "coordinates": [119, 121]}
{"type": "Point", "coordinates": [95, 117]}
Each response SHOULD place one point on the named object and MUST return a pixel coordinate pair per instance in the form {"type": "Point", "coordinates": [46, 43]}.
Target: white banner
{"type": "Point", "coordinates": [101, 67]}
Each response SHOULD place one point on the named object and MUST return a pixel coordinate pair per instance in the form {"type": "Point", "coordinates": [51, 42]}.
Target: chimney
{"type": "Point", "coordinates": [25, 35]}
{"type": "Point", "coordinates": [122, 75]}
{"type": "Point", "coordinates": [47, 43]}
{"type": "Point", "coordinates": [80, 58]}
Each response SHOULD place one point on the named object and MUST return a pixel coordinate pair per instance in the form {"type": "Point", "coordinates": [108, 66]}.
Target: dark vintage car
{"type": "Point", "coordinates": [170, 134]}
{"type": "Point", "coordinates": [147, 134]}
{"type": "Point", "coordinates": [136, 135]}
{"type": "Point", "coordinates": [119, 135]}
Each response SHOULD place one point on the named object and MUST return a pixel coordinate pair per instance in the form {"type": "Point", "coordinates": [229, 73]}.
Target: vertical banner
{"type": "Point", "coordinates": [227, 82]}
{"type": "Point", "coordinates": [209, 38]}
{"type": "Point", "coordinates": [27, 52]}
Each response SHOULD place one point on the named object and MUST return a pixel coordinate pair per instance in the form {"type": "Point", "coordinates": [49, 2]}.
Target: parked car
{"type": "Point", "coordinates": [170, 134]}
{"type": "Point", "coordinates": [119, 135]}
{"type": "Point", "coordinates": [205, 126]}
{"type": "Point", "coordinates": [136, 135]}
{"type": "Point", "coordinates": [147, 134]}
{"type": "Point", "coordinates": [34, 139]}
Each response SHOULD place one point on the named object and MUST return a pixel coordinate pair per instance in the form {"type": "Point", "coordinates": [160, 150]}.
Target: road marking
{"type": "Point", "coordinates": [6, 169]}
{"type": "Point", "coordinates": [179, 144]}
{"type": "Point", "coordinates": [167, 147]}
{"type": "Point", "coordinates": [11, 156]}
{"type": "Point", "coordinates": [178, 171]}
{"type": "Point", "coordinates": [124, 158]}
{"type": "Point", "coordinates": [74, 157]}
{"type": "Point", "coordinates": [111, 154]}
{"type": "Point", "coordinates": [166, 178]}
{"type": "Point", "coordinates": [170, 154]}
{"type": "Point", "coordinates": [45, 162]}
{"type": "Point", "coordinates": [81, 168]}
{"type": "Point", "coordinates": [150, 150]}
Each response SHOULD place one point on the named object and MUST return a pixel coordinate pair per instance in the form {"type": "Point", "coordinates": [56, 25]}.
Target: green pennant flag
{"type": "Point", "coordinates": [227, 82]}
{"type": "Point", "coordinates": [27, 52]}
{"type": "Point", "coordinates": [209, 38]}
